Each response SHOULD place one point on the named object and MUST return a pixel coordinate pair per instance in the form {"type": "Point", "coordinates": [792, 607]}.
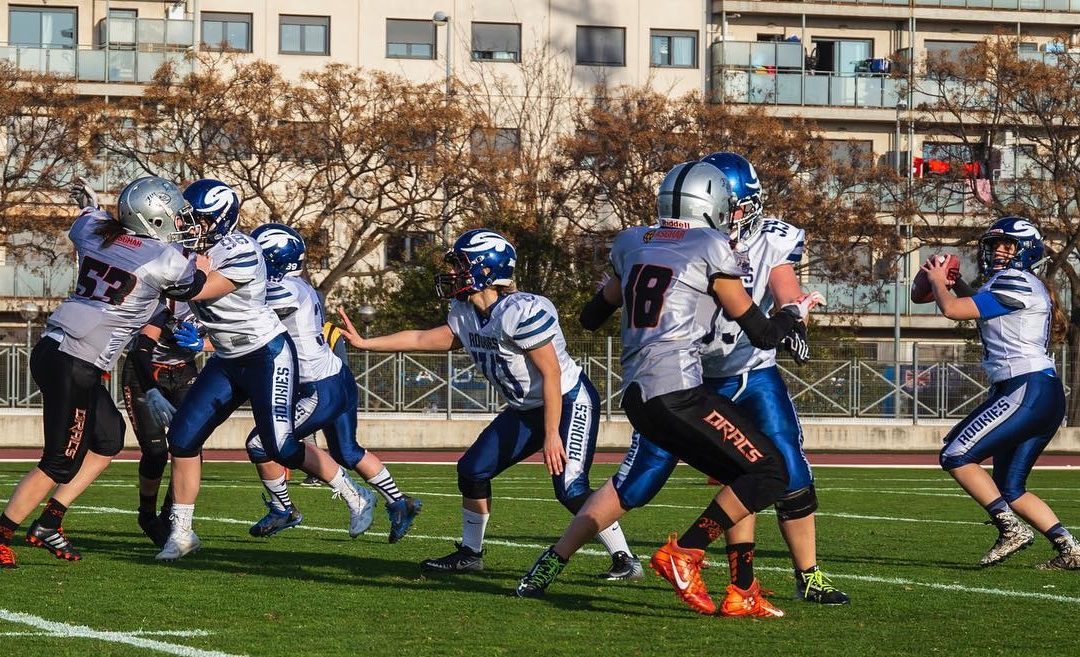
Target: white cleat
{"type": "Point", "coordinates": [361, 502]}
{"type": "Point", "coordinates": [180, 543]}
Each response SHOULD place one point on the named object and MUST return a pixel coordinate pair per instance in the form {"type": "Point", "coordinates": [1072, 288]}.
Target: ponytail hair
{"type": "Point", "coordinates": [1059, 324]}
{"type": "Point", "coordinates": [109, 230]}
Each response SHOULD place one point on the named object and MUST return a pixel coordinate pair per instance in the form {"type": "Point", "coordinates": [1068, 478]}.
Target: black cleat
{"type": "Point", "coordinates": [461, 561]}
{"type": "Point", "coordinates": [623, 566]}
{"type": "Point", "coordinates": [52, 540]}
{"type": "Point", "coordinates": [156, 530]}
{"type": "Point", "coordinates": [542, 574]}
{"type": "Point", "coordinates": [813, 586]}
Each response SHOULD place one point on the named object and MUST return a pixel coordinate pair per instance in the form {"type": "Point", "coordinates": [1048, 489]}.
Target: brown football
{"type": "Point", "coordinates": [920, 285]}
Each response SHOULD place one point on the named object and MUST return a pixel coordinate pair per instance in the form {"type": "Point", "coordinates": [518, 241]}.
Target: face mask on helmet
{"type": "Point", "coordinates": [480, 259]}
{"type": "Point", "coordinates": [154, 208]}
{"type": "Point", "coordinates": [215, 211]}
{"type": "Point", "coordinates": [1011, 243]}
{"type": "Point", "coordinates": [743, 222]}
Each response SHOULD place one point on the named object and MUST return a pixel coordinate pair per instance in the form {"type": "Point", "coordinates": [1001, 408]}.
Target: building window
{"type": "Point", "coordinates": [222, 31]}
{"type": "Point", "coordinates": [601, 46]}
{"type": "Point", "coordinates": [673, 49]}
{"type": "Point", "coordinates": [498, 42]}
{"type": "Point", "coordinates": [403, 248]}
{"type": "Point", "coordinates": [304, 35]}
{"type": "Point", "coordinates": [495, 142]}
{"type": "Point", "coordinates": [409, 39]}
{"type": "Point", "coordinates": [839, 55]}
{"type": "Point", "coordinates": [857, 153]}
{"type": "Point", "coordinates": [42, 27]}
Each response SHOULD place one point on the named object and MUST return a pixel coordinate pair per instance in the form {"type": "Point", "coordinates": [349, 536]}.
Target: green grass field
{"type": "Point", "coordinates": [901, 542]}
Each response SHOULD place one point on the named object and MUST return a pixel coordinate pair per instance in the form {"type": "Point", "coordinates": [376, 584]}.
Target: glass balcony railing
{"type": "Point", "coordinates": [1014, 5]}
{"type": "Point", "coordinates": [146, 32]}
{"type": "Point", "coordinates": [849, 90]}
{"type": "Point", "coordinates": [94, 64]}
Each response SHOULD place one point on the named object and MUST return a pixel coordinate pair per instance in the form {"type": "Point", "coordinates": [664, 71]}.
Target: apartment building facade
{"type": "Point", "coordinates": [828, 60]}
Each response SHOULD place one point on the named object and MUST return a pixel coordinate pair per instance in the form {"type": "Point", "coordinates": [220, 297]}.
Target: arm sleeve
{"type": "Point", "coordinates": [596, 312]}
{"type": "Point", "coordinates": [962, 289]}
{"type": "Point", "coordinates": [141, 355]}
{"type": "Point", "coordinates": [178, 277]}
{"type": "Point", "coordinates": [532, 324]}
{"type": "Point", "coordinates": [991, 306]}
{"type": "Point", "coordinates": [764, 332]}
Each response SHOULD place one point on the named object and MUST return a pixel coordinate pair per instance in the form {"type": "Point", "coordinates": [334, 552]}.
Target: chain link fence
{"type": "Point", "coordinates": [845, 380]}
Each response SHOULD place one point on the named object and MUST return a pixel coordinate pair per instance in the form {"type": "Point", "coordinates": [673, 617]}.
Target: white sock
{"type": "Point", "coordinates": [182, 514]}
{"type": "Point", "coordinates": [384, 482]}
{"type": "Point", "coordinates": [343, 486]}
{"type": "Point", "coordinates": [613, 539]}
{"type": "Point", "coordinates": [473, 525]}
{"type": "Point", "coordinates": [279, 493]}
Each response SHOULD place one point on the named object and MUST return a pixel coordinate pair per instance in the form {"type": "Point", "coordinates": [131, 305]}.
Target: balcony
{"type": "Point", "coordinates": [1014, 5]}
{"type": "Point", "coordinates": [146, 33]}
{"type": "Point", "coordinates": [90, 64]}
{"type": "Point", "coordinates": [836, 90]}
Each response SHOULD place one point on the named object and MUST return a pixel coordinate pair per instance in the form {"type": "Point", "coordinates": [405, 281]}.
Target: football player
{"type": "Point", "coordinates": [125, 265]}
{"type": "Point", "coordinates": [327, 399]}
{"type": "Point", "coordinates": [1017, 317]}
{"type": "Point", "coordinates": [157, 374]}
{"type": "Point", "coordinates": [670, 278]}
{"type": "Point", "coordinates": [254, 359]}
{"type": "Point", "coordinates": [516, 341]}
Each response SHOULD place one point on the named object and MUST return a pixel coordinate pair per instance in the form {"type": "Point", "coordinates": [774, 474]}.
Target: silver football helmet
{"type": "Point", "coordinates": [695, 192]}
{"type": "Point", "coordinates": [153, 207]}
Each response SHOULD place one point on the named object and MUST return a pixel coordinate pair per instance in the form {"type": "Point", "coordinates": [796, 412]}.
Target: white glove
{"type": "Point", "coordinates": [804, 304]}
{"type": "Point", "coordinates": [83, 194]}
{"type": "Point", "coordinates": [161, 410]}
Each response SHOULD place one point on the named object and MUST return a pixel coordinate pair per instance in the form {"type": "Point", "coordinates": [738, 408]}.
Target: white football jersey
{"type": "Point", "coordinates": [666, 274]}
{"type": "Point", "coordinates": [726, 350]}
{"type": "Point", "coordinates": [117, 290]}
{"type": "Point", "coordinates": [300, 309]}
{"type": "Point", "coordinates": [515, 324]}
{"type": "Point", "coordinates": [1017, 343]}
{"type": "Point", "coordinates": [239, 322]}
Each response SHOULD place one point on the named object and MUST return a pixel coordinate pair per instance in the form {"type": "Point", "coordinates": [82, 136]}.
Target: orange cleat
{"type": "Point", "coordinates": [7, 557]}
{"type": "Point", "coordinates": [748, 602]}
{"type": "Point", "coordinates": [682, 567]}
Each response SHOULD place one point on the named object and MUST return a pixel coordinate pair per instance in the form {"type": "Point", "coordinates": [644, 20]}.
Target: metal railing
{"type": "Point", "coordinates": [94, 64]}
{"type": "Point", "coordinates": [1018, 5]}
{"type": "Point", "coordinates": [844, 381]}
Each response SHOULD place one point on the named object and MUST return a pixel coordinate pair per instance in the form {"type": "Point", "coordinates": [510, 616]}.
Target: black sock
{"type": "Point", "coordinates": [53, 515]}
{"type": "Point", "coordinates": [740, 557]}
{"type": "Point", "coordinates": [148, 503]}
{"type": "Point", "coordinates": [709, 526]}
{"type": "Point", "coordinates": [7, 529]}
{"type": "Point", "coordinates": [166, 506]}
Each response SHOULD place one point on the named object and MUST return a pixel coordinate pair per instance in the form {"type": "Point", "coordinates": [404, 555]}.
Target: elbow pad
{"type": "Point", "coordinates": [764, 332]}
{"type": "Point", "coordinates": [189, 291]}
{"type": "Point", "coordinates": [596, 312]}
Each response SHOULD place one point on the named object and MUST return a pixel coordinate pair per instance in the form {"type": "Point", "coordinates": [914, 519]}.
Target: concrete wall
{"type": "Point", "coordinates": [382, 431]}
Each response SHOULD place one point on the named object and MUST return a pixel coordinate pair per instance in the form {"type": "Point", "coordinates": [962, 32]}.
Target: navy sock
{"type": "Point", "coordinates": [1059, 536]}
{"type": "Point", "coordinates": [998, 508]}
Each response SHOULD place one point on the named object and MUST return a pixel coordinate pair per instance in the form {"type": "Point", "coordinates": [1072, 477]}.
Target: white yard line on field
{"type": "Point", "coordinates": [897, 581]}
{"type": "Point", "coordinates": [66, 630]}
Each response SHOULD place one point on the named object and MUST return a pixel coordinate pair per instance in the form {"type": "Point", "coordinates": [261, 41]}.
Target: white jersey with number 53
{"type": "Point", "coordinates": [666, 272]}
{"type": "Point", "coordinates": [726, 350]}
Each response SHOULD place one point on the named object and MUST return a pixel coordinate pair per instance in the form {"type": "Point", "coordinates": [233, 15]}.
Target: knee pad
{"type": "Point", "coordinates": [1012, 492]}
{"type": "Point", "coordinates": [474, 489]}
{"type": "Point", "coordinates": [761, 488]}
{"type": "Point", "coordinates": [291, 456]}
{"type": "Point", "coordinates": [797, 504]}
{"type": "Point", "coordinates": [152, 462]}
{"type": "Point", "coordinates": [59, 468]}
{"type": "Point", "coordinates": [255, 451]}
{"type": "Point", "coordinates": [108, 434]}
{"type": "Point", "coordinates": [952, 461]}
{"type": "Point", "coordinates": [572, 503]}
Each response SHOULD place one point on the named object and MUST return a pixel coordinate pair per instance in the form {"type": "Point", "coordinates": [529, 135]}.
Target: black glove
{"type": "Point", "coordinates": [797, 344]}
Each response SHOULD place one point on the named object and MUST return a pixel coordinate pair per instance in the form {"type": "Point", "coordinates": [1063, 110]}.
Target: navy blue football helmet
{"type": "Point", "coordinates": [1029, 253]}
{"type": "Point", "coordinates": [479, 259]}
{"type": "Point", "coordinates": [283, 249]}
{"type": "Point", "coordinates": [215, 208]}
{"type": "Point", "coordinates": [747, 209]}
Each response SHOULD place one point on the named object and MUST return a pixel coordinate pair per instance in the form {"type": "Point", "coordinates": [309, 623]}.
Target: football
{"type": "Point", "coordinates": [920, 285]}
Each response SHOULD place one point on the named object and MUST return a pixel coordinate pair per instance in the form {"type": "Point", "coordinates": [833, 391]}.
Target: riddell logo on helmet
{"type": "Point", "coordinates": [732, 434]}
